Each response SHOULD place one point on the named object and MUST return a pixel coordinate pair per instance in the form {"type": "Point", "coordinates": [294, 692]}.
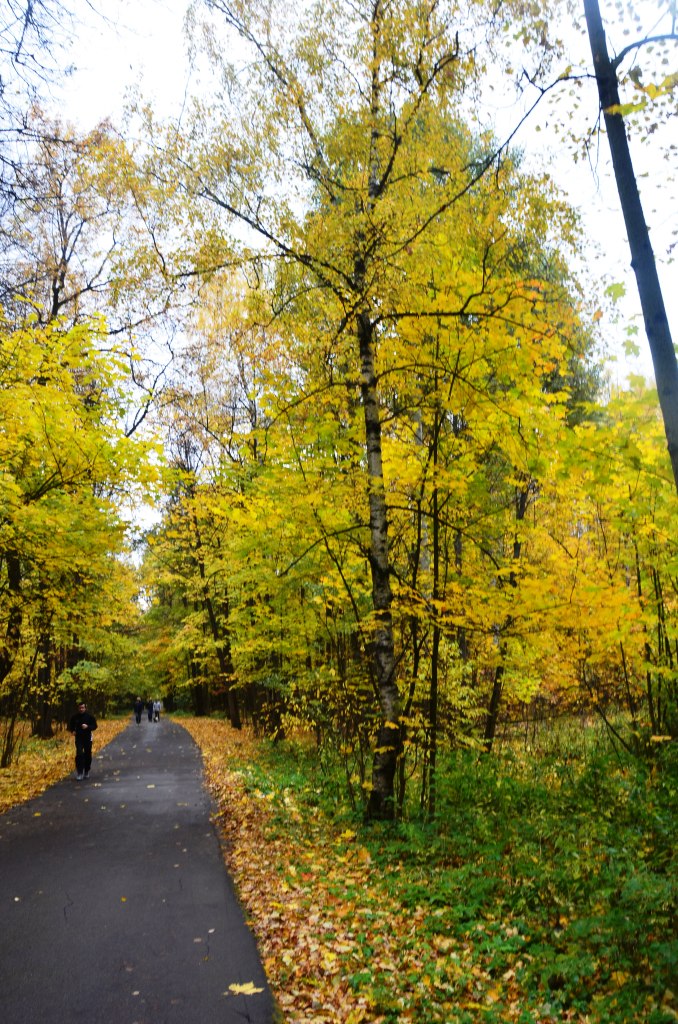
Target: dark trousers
{"type": "Point", "coordinates": [83, 754]}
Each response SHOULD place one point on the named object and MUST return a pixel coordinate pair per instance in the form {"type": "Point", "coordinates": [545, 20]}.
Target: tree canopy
{"type": "Point", "coordinates": [399, 505]}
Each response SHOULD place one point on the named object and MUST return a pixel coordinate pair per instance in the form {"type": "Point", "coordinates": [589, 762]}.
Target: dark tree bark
{"type": "Point", "coordinates": [381, 802]}
{"type": "Point", "coordinates": [492, 717]}
{"type": "Point", "coordinates": [642, 258]}
{"type": "Point", "coordinates": [435, 650]}
{"type": "Point", "coordinates": [10, 566]}
{"type": "Point", "coordinates": [220, 633]}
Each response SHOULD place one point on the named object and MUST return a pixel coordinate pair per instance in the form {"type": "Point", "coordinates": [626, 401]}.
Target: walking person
{"type": "Point", "coordinates": [138, 708]}
{"type": "Point", "coordinates": [156, 710]}
{"type": "Point", "coordinates": [82, 725]}
{"type": "Point", "coordinates": [149, 709]}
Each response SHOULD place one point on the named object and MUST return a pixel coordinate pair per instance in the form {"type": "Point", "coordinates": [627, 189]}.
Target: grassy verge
{"type": "Point", "coordinates": [546, 893]}
{"type": "Point", "coordinates": [40, 763]}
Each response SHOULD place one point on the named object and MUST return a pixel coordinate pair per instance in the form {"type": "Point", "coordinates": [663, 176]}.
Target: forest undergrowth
{"type": "Point", "coordinates": [545, 892]}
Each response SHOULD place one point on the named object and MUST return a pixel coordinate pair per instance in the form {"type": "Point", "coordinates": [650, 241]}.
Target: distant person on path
{"type": "Point", "coordinates": [156, 710]}
{"type": "Point", "coordinates": [149, 708]}
{"type": "Point", "coordinates": [138, 708]}
{"type": "Point", "coordinates": [82, 725]}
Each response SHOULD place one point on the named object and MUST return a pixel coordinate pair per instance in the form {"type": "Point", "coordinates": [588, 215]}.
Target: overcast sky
{"type": "Point", "coordinates": [142, 43]}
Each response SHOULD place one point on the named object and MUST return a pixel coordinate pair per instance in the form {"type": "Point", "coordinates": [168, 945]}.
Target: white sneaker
{"type": "Point", "coordinates": [79, 776]}
{"type": "Point", "coordinates": [86, 775]}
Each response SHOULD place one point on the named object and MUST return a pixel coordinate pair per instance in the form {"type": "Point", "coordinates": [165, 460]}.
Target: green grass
{"type": "Point", "coordinates": [554, 868]}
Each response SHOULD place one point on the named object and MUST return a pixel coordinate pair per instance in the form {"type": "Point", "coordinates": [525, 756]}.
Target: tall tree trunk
{"type": "Point", "coordinates": [228, 669]}
{"type": "Point", "coordinates": [222, 646]}
{"type": "Point", "coordinates": [435, 651]}
{"type": "Point", "coordinates": [642, 257]}
{"type": "Point", "coordinates": [221, 636]}
{"type": "Point", "coordinates": [12, 637]}
{"type": "Point", "coordinates": [382, 646]}
{"type": "Point", "coordinates": [381, 803]}
{"type": "Point", "coordinates": [13, 706]}
{"type": "Point", "coordinates": [199, 689]}
{"type": "Point", "coordinates": [435, 660]}
{"type": "Point", "coordinates": [492, 717]}
{"type": "Point", "coordinates": [41, 713]}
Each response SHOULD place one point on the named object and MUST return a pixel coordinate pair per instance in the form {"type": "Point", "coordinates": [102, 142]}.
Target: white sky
{"type": "Point", "coordinates": [142, 43]}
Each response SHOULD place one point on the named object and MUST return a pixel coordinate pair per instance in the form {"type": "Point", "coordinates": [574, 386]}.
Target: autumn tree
{"type": "Point", "coordinates": [62, 237]}
{"type": "Point", "coordinates": [621, 552]}
{"type": "Point", "coordinates": [67, 467]}
{"type": "Point", "coordinates": [31, 35]}
{"type": "Point", "coordinates": [342, 157]}
{"type": "Point", "coordinates": [213, 420]}
{"type": "Point", "coordinates": [60, 233]}
{"type": "Point", "coordinates": [642, 257]}
{"type": "Point", "coordinates": [30, 31]}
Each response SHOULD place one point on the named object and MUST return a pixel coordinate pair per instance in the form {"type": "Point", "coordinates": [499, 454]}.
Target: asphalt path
{"type": "Point", "coordinates": [115, 905]}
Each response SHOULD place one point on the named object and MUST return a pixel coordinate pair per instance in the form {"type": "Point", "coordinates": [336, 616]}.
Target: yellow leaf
{"type": "Point", "coordinates": [248, 989]}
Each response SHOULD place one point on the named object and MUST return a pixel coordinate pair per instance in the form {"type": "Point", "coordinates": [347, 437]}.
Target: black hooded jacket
{"type": "Point", "coordinates": [77, 720]}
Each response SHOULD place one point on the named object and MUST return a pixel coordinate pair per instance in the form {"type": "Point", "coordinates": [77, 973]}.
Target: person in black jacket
{"type": "Point", "coordinates": [82, 725]}
{"type": "Point", "coordinates": [138, 708]}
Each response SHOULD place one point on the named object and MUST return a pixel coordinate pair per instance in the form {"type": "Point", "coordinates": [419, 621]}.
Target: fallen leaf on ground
{"type": "Point", "coordinates": [248, 989]}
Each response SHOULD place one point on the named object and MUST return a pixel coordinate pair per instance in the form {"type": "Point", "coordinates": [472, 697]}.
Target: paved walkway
{"type": "Point", "coordinates": [115, 906]}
